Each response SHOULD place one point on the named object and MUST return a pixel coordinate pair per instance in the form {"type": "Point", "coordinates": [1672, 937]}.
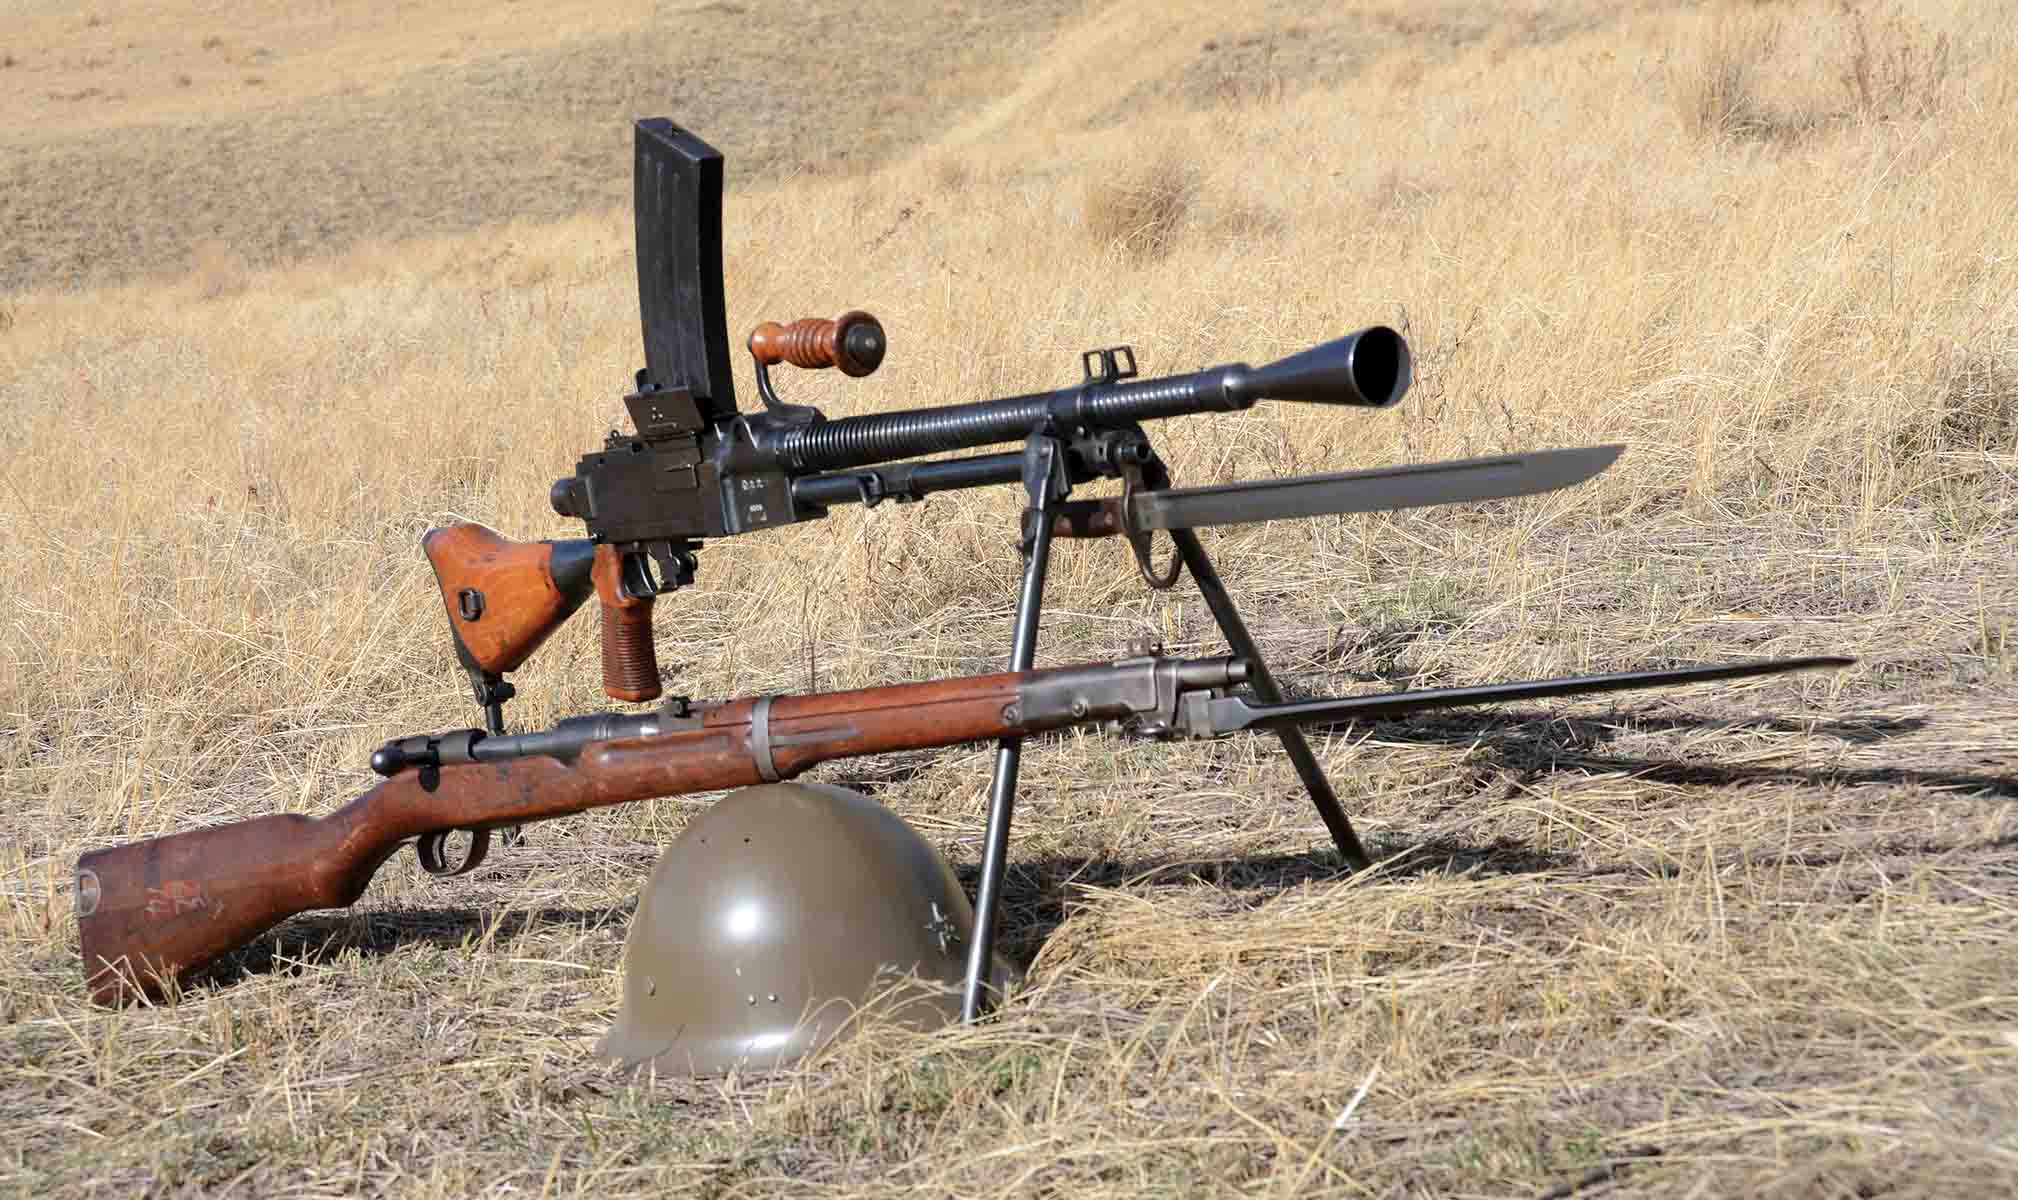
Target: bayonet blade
{"type": "Point", "coordinates": [1375, 490]}
{"type": "Point", "coordinates": [1228, 714]}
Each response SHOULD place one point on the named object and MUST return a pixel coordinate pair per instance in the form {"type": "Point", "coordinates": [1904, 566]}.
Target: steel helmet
{"type": "Point", "coordinates": [772, 917]}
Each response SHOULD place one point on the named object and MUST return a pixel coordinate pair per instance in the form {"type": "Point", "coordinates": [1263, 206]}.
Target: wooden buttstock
{"type": "Point", "coordinates": [153, 911]}
{"type": "Point", "coordinates": [150, 912]}
{"type": "Point", "coordinates": [504, 597]}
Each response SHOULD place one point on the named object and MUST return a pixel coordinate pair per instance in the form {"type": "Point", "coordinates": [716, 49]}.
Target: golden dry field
{"type": "Point", "coordinates": [283, 286]}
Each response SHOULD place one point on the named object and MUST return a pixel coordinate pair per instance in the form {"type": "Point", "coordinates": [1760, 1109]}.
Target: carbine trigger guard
{"type": "Point", "coordinates": [428, 848]}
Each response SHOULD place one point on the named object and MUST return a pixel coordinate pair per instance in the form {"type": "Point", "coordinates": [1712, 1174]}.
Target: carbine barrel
{"type": "Point", "coordinates": [1368, 369]}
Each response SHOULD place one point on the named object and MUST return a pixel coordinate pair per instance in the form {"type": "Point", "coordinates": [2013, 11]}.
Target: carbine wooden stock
{"type": "Point", "coordinates": [153, 911]}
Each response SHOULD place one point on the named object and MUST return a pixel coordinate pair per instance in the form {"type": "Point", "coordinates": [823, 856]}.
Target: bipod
{"type": "Point", "coordinates": [1048, 470]}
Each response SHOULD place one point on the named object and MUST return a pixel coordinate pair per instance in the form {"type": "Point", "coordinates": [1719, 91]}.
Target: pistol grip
{"type": "Point", "coordinates": [630, 661]}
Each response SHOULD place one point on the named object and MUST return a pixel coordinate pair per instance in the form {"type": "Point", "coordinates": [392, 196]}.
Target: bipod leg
{"type": "Point", "coordinates": [492, 692]}
{"type": "Point", "coordinates": [1046, 484]}
{"type": "Point", "coordinates": [1293, 743]}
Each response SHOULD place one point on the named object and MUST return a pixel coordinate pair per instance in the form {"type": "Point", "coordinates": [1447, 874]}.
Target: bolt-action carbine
{"type": "Point", "coordinates": [150, 912]}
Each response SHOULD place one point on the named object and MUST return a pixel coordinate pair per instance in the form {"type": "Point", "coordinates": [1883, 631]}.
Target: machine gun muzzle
{"type": "Point", "coordinates": [1368, 369]}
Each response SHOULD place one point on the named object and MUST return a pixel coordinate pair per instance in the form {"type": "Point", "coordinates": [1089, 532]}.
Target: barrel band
{"type": "Point", "coordinates": [760, 739]}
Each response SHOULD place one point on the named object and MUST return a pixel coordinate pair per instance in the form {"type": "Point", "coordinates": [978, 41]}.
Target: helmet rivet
{"type": "Point", "coordinates": [774, 997]}
{"type": "Point", "coordinates": [753, 1001]}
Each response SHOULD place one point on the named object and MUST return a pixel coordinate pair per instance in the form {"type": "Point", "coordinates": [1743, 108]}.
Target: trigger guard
{"type": "Point", "coordinates": [635, 573]}
{"type": "Point", "coordinates": [428, 848]}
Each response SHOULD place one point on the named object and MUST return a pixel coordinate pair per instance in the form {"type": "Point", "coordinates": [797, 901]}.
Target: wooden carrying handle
{"type": "Point", "coordinates": [630, 662]}
{"type": "Point", "coordinates": [505, 597]}
{"type": "Point", "coordinates": [852, 341]}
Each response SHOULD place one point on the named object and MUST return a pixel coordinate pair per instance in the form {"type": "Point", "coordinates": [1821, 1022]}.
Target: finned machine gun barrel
{"type": "Point", "coordinates": [755, 470]}
{"type": "Point", "coordinates": [1368, 369]}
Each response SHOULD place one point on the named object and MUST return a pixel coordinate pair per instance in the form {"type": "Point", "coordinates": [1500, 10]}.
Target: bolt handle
{"type": "Point", "coordinates": [853, 341]}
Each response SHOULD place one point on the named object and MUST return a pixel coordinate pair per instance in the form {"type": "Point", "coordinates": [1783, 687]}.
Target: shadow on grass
{"type": "Point", "coordinates": [1532, 744]}
{"type": "Point", "coordinates": [1035, 892]}
{"type": "Point", "coordinates": [316, 937]}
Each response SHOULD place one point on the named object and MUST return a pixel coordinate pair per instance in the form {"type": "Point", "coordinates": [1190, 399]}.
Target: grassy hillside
{"type": "Point", "coordinates": [1750, 940]}
{"type": "Point", "coordinates": [153, 132]}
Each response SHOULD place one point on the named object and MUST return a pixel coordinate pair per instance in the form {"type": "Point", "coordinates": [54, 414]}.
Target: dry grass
{"type": "Point", "coordinates": [1744, 73]}
{"type": "Point", "coordinates": [1754, 940]}
{"type": "Point", "coordinates": [1141, 215]}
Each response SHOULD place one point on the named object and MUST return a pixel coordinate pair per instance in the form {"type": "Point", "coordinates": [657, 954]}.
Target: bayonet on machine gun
{"type": "Point", "coordinates": [695, 468]}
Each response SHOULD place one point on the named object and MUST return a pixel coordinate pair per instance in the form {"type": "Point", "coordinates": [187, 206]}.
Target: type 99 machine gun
{"type": "Point", "coordinates": [694, 468]}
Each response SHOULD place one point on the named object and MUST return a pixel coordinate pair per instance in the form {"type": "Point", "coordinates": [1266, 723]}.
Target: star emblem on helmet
{"type": "Point", "coordinates": [942, 927]}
